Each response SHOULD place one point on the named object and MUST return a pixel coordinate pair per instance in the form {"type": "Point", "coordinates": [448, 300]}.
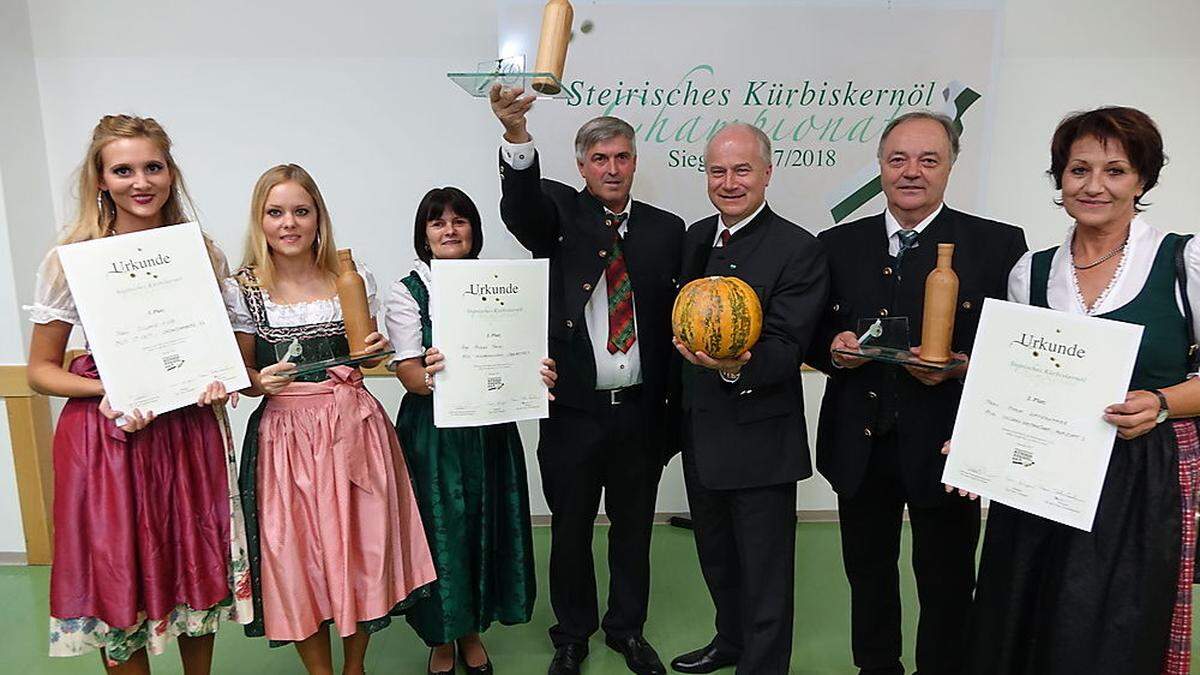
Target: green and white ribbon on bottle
{"type": "Point", "coordinates": [865, 184]}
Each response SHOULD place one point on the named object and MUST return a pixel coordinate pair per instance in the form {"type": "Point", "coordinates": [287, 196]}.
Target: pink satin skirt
{"type": "Point", "coordinates": [340, 533]}
{"type": "Point", "coordinates": [141, 520]}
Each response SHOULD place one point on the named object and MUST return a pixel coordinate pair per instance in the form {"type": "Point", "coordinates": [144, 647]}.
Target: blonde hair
{"type": "Point", "coordinates": [257, 256]}
{"type": "Point", "coordinates": [96, 213]}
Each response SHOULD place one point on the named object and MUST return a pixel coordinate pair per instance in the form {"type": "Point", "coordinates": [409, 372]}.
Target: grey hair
{"type": "Point", "coordinates": [600, 129]}
{"type": "Point", "coordinates": [764, 141]}
{"type": "Point", "coordinates": [948, 125]}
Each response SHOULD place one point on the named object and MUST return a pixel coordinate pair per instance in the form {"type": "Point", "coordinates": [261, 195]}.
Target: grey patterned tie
{"type": "Point", "coordinates": [908, 239]}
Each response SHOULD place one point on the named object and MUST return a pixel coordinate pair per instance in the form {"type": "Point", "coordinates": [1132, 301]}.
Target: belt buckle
{"type": "Point", "coordinates": [613, 398]}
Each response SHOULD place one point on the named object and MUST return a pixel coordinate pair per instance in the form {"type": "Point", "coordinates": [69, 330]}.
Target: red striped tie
{"type": "Point", "coordinates": [620, 291]}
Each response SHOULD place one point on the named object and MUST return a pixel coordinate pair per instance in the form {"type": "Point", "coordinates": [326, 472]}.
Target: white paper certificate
{"type": "Point", "coordinates": [1030, 431]}
{"type": "Point", "coordinates": [490, 319]}
{"type": "Point", "coordinates": [154, 318]}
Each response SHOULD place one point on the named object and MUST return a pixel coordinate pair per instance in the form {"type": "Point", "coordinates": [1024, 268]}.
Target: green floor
{"type": "Point", "coordinates": [681, 618]}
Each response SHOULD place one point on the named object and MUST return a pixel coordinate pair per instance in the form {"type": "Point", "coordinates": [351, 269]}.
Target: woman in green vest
{"type": "Point", "coordinates": [1052, 599]}
{"type": "Point", "coordinates": [470, 482]}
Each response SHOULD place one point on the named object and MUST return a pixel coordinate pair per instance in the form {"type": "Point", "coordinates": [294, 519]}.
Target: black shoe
{"type": "Point", "coordinates": [640, 657]}
{"type": "Point", "coordinates": [896, 669]}
{"type": "Point", "coordinates": [483, 669]}
{"type": "Point", "coordinates": [429, 668]}
{"type": "Point", "coordinates": [704, 660]}
{"type": "Point", "coordinates": [567, 659]}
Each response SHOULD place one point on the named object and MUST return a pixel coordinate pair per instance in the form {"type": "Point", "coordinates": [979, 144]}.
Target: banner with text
{"type": "Point", "coordinates": [822, 81]}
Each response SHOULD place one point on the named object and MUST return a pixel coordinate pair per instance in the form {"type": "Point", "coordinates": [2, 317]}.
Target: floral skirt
{"type": "Point", "coordinates": [149, 540]}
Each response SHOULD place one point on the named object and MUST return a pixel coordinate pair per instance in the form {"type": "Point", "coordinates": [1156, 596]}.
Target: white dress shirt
{"type": "Point", "coordinates": [737, 225]}
{"type": "Point", "coordinates": [893, 228]}
{"type": "Point", "coordinates": [613, 371]}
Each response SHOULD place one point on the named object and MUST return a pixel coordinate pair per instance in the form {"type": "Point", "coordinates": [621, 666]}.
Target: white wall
{"type": "Point", "coordinates": [1073, 55]}
{"type": "Point", "coordinates": [358, 96]}
{"type": "Point", "coordinates": [24, 200]}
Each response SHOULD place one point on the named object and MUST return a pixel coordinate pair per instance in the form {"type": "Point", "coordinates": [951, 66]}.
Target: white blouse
{"type": "Point", "coordinates": [286, 315]}
{"type": "Point", "coordinates": [1062, 292]}
{"type": "Point", "coordinates": [52, 299]}
{"type": "Point", "coordinates": [402, 316]}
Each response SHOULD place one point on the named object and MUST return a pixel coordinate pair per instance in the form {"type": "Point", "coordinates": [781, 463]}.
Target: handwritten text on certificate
{"type": "Point", "coordinates": [1030, 431]}
{"type": "Point", "coordinates": [490, 319]}
{"type": "Point", "coordinates": [154, 317]}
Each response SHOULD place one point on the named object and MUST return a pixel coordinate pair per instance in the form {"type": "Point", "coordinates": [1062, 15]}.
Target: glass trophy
{"type": "Point", "coordinates": [887, 340]}
{"type": "Point", "coordinates": [316, 356]}
{"type": "Point", "coordinates": [510, 73]}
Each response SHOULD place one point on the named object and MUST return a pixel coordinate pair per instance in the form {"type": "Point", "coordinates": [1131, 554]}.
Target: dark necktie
{"type": "Point", "coordinates": [725, 236]}
{"type": "Point", "coordinates": [908, 239]}
{"type": "Point", "coordinates": [620, 291]}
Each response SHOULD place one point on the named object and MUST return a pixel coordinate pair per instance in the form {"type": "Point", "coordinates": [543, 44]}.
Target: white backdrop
{"type": "Point", "coordinates": [357, 94]}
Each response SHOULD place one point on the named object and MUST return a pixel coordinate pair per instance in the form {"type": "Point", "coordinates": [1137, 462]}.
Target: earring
{"type": "Point", "coordinates": [100, 201]}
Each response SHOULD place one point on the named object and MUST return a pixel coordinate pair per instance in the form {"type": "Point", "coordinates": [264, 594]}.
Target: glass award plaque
{"type": "Point", "coordinates": [510, 73]}
{"type": "Point", "coordinates": [887, 340]}
{"type": "Point", "coordinates": [317, 356]}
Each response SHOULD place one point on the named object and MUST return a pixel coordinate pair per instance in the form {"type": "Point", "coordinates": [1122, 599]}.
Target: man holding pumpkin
{"type": "Point", "coordinates": [614, 263]}
{"type": "Point", "coordinates": [745, 443]}
{"type": "Point", "coordinates": [882, 426]}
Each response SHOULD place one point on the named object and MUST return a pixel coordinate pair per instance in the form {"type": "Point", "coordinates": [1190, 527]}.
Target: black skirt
{"type": "Point", "coordinates": [1055, 600]}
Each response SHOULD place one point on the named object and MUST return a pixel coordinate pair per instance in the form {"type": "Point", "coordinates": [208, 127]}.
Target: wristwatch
{"type": "Point", "coordinates": [1163, 410]}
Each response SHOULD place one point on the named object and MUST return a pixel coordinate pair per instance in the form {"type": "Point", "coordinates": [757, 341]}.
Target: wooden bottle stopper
{"type": "Point", "coordinates": [552, 47]}
{"type": "Point", "coordinates": [352, 294]}
{"type": "Point", "coordinates": [941, 300]}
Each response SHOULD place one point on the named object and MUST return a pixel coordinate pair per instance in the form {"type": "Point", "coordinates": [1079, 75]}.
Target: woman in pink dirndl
{"type": "Point", "coordinates": [334, 531]}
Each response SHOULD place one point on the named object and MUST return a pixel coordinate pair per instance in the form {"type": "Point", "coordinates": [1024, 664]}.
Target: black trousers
{"type": "Point", "coordinates": [746, 541]}
{"type": "Point", "coordinates": [945, 535]}
{"type": "Point", "coordinates": [580, 454]}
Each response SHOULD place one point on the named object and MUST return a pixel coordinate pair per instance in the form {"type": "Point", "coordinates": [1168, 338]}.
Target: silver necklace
{"type": "Point", "coordinates": [1104, 257]}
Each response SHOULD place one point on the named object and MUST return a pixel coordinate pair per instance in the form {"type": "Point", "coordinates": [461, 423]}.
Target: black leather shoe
{"type": "Point", "coordinates": [567, 659]}
{"type": "Point", "coordinates": [640, 657]}
{"type": "Point", "coordinates": [896, 669]}
{"type": "Point", "coordinates": [704, 660]}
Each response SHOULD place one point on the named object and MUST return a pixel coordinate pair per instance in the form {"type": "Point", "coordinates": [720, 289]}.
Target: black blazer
{"type": "Point", "coordinates": [555, 221]}
{"type": "Point", "coordinates": [865, 286]}
{"type": "Point", "coordinates": [752, 433]}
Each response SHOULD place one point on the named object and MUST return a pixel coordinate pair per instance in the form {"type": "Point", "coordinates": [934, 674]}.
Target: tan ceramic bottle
{"type": "Point", "coordinates": [552, 47]}
{"type": "Point", "coordinates": [941, 298]}
{"type": "Point", "coordinates": [352, 294]}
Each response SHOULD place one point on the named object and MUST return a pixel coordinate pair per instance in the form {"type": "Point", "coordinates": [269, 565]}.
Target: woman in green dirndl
{"type": "Point", "coordinates": [470, 482]}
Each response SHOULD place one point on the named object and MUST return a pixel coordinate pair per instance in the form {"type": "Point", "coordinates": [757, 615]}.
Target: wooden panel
{"type": "Point", "coordinates": [13, 383]}
{"type": "Point", "coordinates": [29, 431]}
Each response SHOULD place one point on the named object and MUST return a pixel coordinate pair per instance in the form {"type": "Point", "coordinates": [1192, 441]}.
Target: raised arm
{"type": "Point", "coordinates": [527, 212]}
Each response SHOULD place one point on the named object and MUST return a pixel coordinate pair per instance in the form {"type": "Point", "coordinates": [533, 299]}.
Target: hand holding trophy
{"type": "Point", "coordinates": [509, 73]}
{"type": "Point", "coordinates": [510, 107]}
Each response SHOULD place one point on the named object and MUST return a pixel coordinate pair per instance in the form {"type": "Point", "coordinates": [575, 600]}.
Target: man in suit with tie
{"type": "Point", "coordinates": [745, 443]}
{"type": "Point", "coordinates": [614, 263]}
{"type": "Point", "coordinates": [882, 426]}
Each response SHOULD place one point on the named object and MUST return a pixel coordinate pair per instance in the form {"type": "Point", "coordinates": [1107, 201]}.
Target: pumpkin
{"type": "Point", "coordinates": [720, 316]}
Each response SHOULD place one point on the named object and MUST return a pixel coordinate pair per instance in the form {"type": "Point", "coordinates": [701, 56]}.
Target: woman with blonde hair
{"type": "Point", "coordinates": [149, 541]}
{"type": "Point", "coordinates": [333, 525]}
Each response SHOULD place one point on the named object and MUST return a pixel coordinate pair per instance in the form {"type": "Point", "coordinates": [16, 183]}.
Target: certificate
{"type": "Point", "coordinates": [154, 318]}
{"type": "Point", "coordinates": [1030, 431]}
{"type": "Point", "coordinates": [490, 319]}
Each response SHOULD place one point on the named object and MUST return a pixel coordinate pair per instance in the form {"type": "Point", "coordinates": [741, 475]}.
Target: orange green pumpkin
{"type": "Point", "coordinates": [720, 316]}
